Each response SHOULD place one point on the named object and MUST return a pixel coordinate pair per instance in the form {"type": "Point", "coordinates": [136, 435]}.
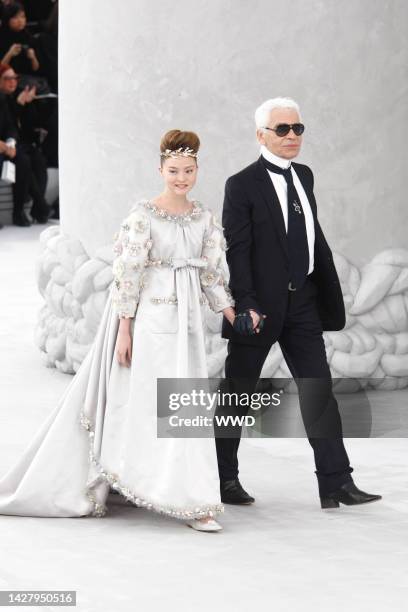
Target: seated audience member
{"type": "Point", "coordinates": [17, 45]}
{"type": "Point", "coordinates": [31, 166]}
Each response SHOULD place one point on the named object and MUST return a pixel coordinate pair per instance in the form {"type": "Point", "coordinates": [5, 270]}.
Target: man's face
{"type": "Point", "coordinates": [8, 82]}
{"type": "Point", "coordinates": [284, 146]}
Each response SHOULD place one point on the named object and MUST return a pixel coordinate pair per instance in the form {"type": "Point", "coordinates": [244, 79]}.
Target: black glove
{"type": "Point", "coordinates": [243, 323]}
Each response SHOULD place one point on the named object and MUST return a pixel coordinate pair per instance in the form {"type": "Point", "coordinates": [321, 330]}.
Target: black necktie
{"type": "Point", "coordinates": [297, 237]}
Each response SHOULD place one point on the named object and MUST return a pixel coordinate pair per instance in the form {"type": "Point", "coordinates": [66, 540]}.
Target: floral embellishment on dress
{"type": "Point", "coordinates": [118, 248]}
{"type": "Point", "coordinates": [134, 248]}
{"type": "Point", "coordinates": [140, 225]}
{"type": "Point", "coordinates": [143, 280]}
{"type": "Point", "coordinates": [118, 268]}
{"type": "Point", "coordinates": [182, 218]}
{"type": "Point", "coordinates": [125, 227]}
{"type": "Point", "coordinates": [209, 242]}
{"type": "Point", "coordinates": [215, 222]}
{"type": "Point", "coordinates": [148, 244]}
{"type": "Point", "coordinates": [128, 285]}
{"type": "Point", "coordinates": [207, 278]}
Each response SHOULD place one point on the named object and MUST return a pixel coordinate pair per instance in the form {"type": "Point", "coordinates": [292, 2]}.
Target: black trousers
{"type": "Point", "coordinates": [302, 344]}
{"type": "Point", "coordinates": [31, 178]}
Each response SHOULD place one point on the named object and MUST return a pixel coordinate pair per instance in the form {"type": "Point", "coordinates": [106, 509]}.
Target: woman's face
{"type": "Point", "coordinates": [8, 82]}
{"type": "Point", "coordinates": [18, 22]}
{"type": "Point", "coordinates": [179, 174]}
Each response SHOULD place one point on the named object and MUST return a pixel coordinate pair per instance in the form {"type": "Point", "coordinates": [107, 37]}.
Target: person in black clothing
{"type": "Point", "coordinates": [8, 150]}
{"type": "Point", "coordinates": [31, 166]}
{"type": "Point", "coordinates": [38, 10]}
{"type": "Point", "coordinates": [47, 49]}
{"type": "Point", "coordinates": [286, 290]}
{"type": "Point", "coordinates": [17, 45]}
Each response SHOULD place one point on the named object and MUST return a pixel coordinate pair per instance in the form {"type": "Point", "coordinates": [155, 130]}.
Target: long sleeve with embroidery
{"type": "Point", "coordinates": [132, 245]}
{"type": "Point", "coordinates": [213, 278]}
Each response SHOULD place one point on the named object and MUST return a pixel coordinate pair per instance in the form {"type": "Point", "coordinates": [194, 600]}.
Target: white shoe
{"type": "Point", "coordinates": [210, 525]}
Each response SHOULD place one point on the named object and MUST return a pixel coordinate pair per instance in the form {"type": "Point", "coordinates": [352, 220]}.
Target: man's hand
{"type": "Point", "coordinates": [27, 95]}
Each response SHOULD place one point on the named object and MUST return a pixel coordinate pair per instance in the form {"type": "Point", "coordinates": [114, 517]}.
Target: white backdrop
{"type": "Point", "coordinates": [133, 69]}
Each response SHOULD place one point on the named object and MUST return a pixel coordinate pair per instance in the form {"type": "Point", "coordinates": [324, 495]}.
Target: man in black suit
{"type": "Point", "coordinates": [286, 290]}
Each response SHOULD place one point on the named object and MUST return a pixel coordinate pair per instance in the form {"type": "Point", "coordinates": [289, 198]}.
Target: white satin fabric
{"type": "Point", "coordinates": [102, 432]}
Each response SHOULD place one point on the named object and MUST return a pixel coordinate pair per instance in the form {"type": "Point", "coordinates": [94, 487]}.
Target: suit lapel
{"type": "Point", "coordinates": [269, 195]}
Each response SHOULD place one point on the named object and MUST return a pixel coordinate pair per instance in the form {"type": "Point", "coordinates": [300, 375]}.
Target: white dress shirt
{"type": "Point", "coordinates": [281, 188]}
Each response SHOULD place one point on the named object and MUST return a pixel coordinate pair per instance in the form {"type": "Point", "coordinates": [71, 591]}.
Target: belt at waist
{"type": "Point", "coordinates": [179, 262]}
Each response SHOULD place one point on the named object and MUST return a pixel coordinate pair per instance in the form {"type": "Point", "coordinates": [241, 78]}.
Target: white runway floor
{"type": "Point", "coordinates": [282, 554]}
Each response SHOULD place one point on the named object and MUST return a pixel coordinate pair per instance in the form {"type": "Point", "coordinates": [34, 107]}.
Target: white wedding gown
{"type": "Point", "coordinates": [102, 434]}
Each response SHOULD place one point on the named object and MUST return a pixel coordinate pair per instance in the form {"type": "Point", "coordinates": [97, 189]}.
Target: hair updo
{"type": "Point", "coordinates": [176, 139]}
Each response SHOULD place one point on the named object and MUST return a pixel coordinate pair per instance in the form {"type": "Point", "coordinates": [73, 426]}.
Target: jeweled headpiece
{"type": "Point", "coordinates": [180, 152]}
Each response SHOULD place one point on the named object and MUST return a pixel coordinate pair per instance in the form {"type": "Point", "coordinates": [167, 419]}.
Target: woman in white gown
{"type": "Point", "coordinates": [103, 433]}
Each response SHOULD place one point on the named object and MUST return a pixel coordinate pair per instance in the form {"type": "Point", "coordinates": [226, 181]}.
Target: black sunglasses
{"type": "Point", "coordinates": [282, 129]}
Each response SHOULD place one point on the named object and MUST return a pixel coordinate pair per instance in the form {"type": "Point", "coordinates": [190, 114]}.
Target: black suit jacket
{"type": "Point", "coordinates": [258, 258]}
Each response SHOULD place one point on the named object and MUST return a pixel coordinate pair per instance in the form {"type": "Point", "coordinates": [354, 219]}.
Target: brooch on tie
{"type": "Point", "coordinates": [297, 207]}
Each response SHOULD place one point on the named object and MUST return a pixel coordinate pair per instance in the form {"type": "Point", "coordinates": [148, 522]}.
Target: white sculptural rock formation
{"type": "Point", "coordinates": [372, 349]}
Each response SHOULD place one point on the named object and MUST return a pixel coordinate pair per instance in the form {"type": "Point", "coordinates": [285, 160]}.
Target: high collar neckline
{"type": "Point", "coordinates": [275, 159]}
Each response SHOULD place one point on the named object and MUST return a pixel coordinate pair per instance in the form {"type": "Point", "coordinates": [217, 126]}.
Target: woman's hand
{"type": "Point", "coordinates": [229, 314]}
{"type": "Point", "coordinates": [7, 149]}
{"type": "Point", "coordinates": [124, 343]}
{"type": "Point", "coordinates": [14, 50]}
{"type": "Point", "coordinates": [33, 59]}
{"type": "Point", "coordinates": [10, 152]}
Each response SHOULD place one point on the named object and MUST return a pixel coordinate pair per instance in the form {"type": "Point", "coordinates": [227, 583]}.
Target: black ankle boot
{"type": "Point", "coordinates": [349, 495]}
{"type": "Point", "coordinates": [40, 214]}
{"type": "Point", "coordinates": [232, 492]}
{"type": "Point", "coordinates": [21, 219]}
